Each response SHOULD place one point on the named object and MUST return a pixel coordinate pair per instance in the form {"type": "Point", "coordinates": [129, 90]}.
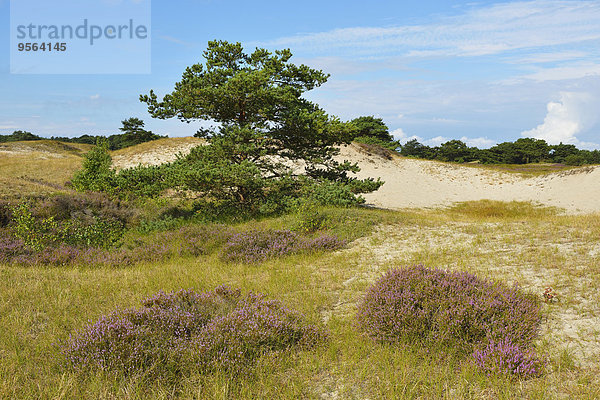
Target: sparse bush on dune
{"type": "Point", "coordinates": [457, 310]}
{"type": "Point", "coordinates": [501, 209]}
{"type": "Point", "coordinates": [185, 331]}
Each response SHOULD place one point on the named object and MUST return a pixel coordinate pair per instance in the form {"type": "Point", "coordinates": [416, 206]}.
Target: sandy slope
{"type": "Point", "coordinates": [423, 183]}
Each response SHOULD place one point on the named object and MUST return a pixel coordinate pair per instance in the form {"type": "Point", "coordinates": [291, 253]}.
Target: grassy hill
{"type": "Point", "coordinates": [37, 167]}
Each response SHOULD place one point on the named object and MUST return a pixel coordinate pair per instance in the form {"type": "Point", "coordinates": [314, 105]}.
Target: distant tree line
{"type": "Point", "coordinates": [18, 136]}
{"type": "Point", "coordinates": [521, 151]}
{"type": "Point", "coordinates": [373, 130]}
{"type": "Point", "coordinates": [133, 133]}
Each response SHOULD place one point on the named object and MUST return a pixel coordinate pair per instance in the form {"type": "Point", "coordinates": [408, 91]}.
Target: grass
{"type": "Point", "coordinates": [40, 306]}
{"type": "Point", "coordinates": [38, 167]}
{"type": "Point", "coordinates": [493, 209]}
{"type": "Point", "coordinates": [538, 247]}
{"type": "Point", "coordinates": [525, 170]}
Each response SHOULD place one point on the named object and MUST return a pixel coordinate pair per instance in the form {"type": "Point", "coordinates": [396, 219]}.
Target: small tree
{"type": "Point", "coordinates": [267, 135]}
{"type": "Point", "coordinates": [371, 130]}
{"type": "Point", "coordinates": [133, 133]}
{"type": "Point", "coordinates": [413, 148]}
{"type": "Point", "coordinates": [372, 127]}
{"type": "Point", "coordinates": [96, 173]}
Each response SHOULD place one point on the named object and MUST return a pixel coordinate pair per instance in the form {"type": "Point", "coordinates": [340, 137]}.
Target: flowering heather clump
{"type": "Point", "coordinates": [256, 245]}
{"type": "Point", "coordinates": [457, 309]}
{"type": "Point", "coordinates": [188, 331]}
{"type": "Point", "coordinates": [507, 358]}
{"type": "Point", "coordinates": [10, 247]}
{"type": "Point", "coordinates": [192, 240]}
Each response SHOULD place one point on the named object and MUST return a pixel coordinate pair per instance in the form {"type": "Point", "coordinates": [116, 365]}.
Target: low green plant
{"type": "Point", "coordinates": [310, 218]}
{"type": "Point", "coordinates": [386, 144]}
{"type": "Point", "coordinates": [35, 233]}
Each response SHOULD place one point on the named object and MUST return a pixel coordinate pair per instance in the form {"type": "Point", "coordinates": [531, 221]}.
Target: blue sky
{"type": "Point", "coordinates": [484, 72]}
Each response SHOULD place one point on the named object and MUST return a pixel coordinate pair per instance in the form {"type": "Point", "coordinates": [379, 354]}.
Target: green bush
{"type": "Point", "coordinates": [96, 174]}
{"type": "Point", "coordinates": [309, 218]}
{"type": "Point", "coordinates": [386, 144]}
{"type": "Point", "coordinates": [77, 228]}
{"type": "Point", "coordinates": [35, 233]}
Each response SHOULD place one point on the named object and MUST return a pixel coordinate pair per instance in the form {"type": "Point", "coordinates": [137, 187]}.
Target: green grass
{"type": "Point", "coordinates": [525, 170]}
{"type": "Point", "coordinates": [538, 247]}
{"type": "Point", "coordinates": [37, 168]}
{"type": "Point", "coordinates": [493, 209]}
{"type": "Point", "coordinates": [40, 306]}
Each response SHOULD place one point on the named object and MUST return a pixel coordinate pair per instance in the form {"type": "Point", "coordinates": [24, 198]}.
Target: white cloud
{"type": "Point", "coordinates": [403, 137]}
{"type": "Point", "coordinates": [479, 142]}
{"type": "Point", "coordinates": [565, 72]}
{"type": "Point", "coordinates": [436, 141]}
{"type": "Point", "coordinates": [94, 97]}
{"type": "Point", "coordinates": [480, 31]}
{"type": "Point", "coordinates": [542, 58]}
{"type": "Point", "coordinates": [572, 114]}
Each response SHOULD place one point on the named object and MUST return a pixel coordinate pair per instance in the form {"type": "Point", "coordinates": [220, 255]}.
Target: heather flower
{"type": "Point", "coordinates": [507, 358]}
{"type": "Point", "coordinates": [443, 308]}
{"type": "Point", "coordinates": [256, 245]}
{"type": "Point", "coordinates": [187, 331]}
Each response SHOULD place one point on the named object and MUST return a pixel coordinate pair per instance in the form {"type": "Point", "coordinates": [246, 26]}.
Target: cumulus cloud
{"type": "Point", "coordinates": [403, 137]}
{"type": "Point", "coordinates": [572, 114]}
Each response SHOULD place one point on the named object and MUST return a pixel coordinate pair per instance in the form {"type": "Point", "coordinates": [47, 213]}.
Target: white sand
{"type": "Point", "coordinates": [423, 183]}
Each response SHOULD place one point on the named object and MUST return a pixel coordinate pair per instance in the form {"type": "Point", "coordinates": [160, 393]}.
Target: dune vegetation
{"type": "Point", "coordinates": [249, 267]}
{"type": "Point", "coordinates": [166, 248]}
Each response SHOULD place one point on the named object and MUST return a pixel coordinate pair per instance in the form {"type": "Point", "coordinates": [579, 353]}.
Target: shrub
{"type": "Point", "coordinates": [377, 145]}
{"type": "Point", "coordinates": [10, 247]}
{"type": "Point", "coordinates": [448, 309]}
{"type": "Point", "coordinates": [506, 358]}
{"type": "Point", "coordinates": [186, 241]}
{"type": "Point", "coordinates": [35, 233]}
{"type": "Point", "coordinates": [84, 207]}
{"type": "Point", "coordinates": [256, 245]}
{"type": "Point", "coordinates": [185, 331]}
{"type": "Point", "coordinates": [96, 173]}
{"type": "Point", "coordinates": [83, 230]}
{"type": "Point", "coordinates": [309, 218]}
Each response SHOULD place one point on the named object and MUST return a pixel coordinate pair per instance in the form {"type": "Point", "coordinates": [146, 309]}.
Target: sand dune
{"type": "Point", "coordinates": [411, 183]}
{"type": "Point", "coordinates": [423, 183]}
